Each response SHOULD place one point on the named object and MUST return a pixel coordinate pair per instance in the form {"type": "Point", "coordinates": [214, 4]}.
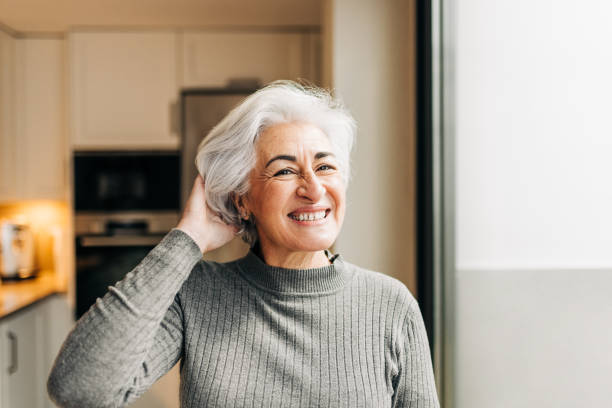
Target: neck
{"type": "Point", "coordinates": [292, 260]}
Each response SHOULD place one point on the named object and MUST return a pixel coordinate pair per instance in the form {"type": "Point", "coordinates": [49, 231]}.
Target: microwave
{"type": "Point", "coordinates": [120, 181]}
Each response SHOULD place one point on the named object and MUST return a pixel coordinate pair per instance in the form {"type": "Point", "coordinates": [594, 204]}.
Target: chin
{"type": "Point", "coordinates": [313, 245]}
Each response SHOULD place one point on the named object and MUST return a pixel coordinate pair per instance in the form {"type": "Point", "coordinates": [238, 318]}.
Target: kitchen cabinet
{"type": "Point", "coordinates": [123, 90]}
{"type": "Point", "coordinates": [34, 155]}
{"type": "Point", "coordinates": [124, 86]}
{"type": "Point", "coordinates": [211, 58]}
{"type": "Point", "coordinates": [8, 172]}
{"type": "Point", "coordinates": [21, 354]}
{"type": "Point", "coordinates": [29, 341]}
{"type": "Point", "coordinates": [42, 151]}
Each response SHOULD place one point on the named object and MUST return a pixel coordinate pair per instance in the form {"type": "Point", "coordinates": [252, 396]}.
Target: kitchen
{"type": "Point", "coordinates": [81, 83]}
{"type": "Point", "coordinates": [483, 150]}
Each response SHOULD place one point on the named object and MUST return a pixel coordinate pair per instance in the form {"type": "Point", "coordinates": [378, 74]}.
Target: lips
{"type": "Point", "coordinates": [309, 214]}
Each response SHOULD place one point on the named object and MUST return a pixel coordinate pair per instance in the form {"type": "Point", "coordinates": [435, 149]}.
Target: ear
{"type": "Point", "coordinates": [241, 205]}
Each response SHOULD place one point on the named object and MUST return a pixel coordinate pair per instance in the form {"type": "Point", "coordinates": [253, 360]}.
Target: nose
{"type": "Point", "coordinates": [311, 187]}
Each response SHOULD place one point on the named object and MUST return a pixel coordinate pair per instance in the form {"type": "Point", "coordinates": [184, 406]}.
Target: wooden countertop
{"type": "Point", "coordinates": [15, 295]}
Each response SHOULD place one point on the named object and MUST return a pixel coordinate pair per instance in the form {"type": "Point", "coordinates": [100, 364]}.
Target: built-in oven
{"type": "Point", "coordinates": [125, 202]}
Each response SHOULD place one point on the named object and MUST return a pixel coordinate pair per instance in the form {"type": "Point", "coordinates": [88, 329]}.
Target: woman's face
{"type": "Point", "coordinates": [297, 193]}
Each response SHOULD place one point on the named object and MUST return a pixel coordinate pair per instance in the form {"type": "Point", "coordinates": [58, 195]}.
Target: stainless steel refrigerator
{"type": "Point", "coordinates": [201, 110]}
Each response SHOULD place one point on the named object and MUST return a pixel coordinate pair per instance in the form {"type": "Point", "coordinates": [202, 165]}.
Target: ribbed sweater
{"type": "Point", "coordinates": [248, 334]}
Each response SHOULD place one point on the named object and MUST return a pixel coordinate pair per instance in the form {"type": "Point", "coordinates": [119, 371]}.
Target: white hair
{"type": "Point", "coordinates": [227, 154]}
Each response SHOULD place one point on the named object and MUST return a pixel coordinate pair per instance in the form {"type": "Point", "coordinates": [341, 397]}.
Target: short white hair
{"type": "Point", "coordinates": [227, 154]}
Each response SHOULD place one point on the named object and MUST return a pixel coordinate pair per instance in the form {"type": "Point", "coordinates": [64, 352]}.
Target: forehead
{"type": "Point", "coordinates": [292, 138]}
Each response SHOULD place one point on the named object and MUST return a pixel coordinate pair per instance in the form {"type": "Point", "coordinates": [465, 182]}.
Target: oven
{"type": "Point", "coordinates": [125, 202]}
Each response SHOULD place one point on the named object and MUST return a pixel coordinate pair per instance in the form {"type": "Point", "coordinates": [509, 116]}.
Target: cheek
{"type": "Point", "coordinates": [273, 198]}
{"type": "Point", "coordinates": [340, 200]}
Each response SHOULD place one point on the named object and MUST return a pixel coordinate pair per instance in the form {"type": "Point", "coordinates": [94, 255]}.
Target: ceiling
{"type": "Point", "coordinates": [36, 16]}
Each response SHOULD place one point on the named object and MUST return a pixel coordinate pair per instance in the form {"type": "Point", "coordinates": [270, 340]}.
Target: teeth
{"type": "Point", "coordinates": [309, 216]}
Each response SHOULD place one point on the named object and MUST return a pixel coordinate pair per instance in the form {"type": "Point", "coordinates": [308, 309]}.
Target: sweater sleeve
{"type": "Point", "coordinates": [131, 336]}
{"type": "Point", "coordinates": [414, 384]}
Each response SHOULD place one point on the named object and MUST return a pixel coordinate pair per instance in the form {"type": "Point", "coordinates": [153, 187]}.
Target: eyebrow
{"type": "Point", "coordinates": [287, 157]}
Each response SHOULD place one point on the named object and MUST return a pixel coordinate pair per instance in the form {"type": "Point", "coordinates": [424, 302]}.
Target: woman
{"type": "Point", "coordinates": [287, 325]}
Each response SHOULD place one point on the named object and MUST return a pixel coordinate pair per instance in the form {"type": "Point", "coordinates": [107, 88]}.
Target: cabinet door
{"type": "Point", "coordinates": [210, 59]}
{"type": "Point", "coordinates": [123, 88]}
{"type": "Point", "coordinates": [29, 343]}
{"type": "Point", "coordinates": [8, 172]}
{"type": "Point", "coordinates": [21, 352]}
{"type": "Point", "coordinates": [41, 150]}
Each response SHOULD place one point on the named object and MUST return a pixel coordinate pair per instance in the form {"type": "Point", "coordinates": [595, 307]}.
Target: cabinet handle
{"type": "Point", "coordinates": [14, 361]}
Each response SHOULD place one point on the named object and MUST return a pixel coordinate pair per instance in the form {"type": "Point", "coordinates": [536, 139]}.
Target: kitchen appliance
{"type": "Point", "coordinates": [201, 110]}
{"type": "Point", "coordinates": [126, 181]}
{"type": "Point", "coordinates": [110, 245]}
{"type": "Point", "coordinates": [16, 251]}
{"type": "Point", "coordinates": [125, 202]}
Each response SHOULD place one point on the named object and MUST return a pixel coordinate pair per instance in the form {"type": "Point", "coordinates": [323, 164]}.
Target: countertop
{"type": "Point", "coordinates": [20, 294]}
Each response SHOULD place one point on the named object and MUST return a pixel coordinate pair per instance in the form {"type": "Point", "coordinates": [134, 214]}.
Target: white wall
{"type": "Point", "coordinates": [370, 58]}
{"type": "Point", "coordinates": [533, 219]}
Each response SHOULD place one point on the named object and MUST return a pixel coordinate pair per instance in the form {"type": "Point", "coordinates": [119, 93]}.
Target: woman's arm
{"type": "Point", "coordinates": [131, 336]}
{"type": "Point", "coordinates": [134, 334]}
{"type": "Point", "coordinates": [414, 384]}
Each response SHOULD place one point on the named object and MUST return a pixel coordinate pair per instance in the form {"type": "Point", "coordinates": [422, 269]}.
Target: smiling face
{"type": "Point", "coordinates": [297, 193]}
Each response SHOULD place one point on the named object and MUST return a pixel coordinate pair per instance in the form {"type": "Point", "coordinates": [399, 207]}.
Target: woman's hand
{"type": "Point", "coordinates": [201, 224]}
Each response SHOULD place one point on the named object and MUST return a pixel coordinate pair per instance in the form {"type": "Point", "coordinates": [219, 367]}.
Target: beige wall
{"type": "Point", "coordinates": [369, 53]}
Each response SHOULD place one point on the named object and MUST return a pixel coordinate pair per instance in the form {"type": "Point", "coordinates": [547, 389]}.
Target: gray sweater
{"type": "Point", "coordinates": [248, 334]}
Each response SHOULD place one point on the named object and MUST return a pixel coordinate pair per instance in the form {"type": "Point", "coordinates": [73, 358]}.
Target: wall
{"type": "Point", "coordinates": [533, 147]}
{"type": "Point", "coordinates": [369, 52]}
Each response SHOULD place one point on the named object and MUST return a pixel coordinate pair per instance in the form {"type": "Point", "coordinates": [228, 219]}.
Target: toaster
{"type": "Point", "coordinates": [16, 250]}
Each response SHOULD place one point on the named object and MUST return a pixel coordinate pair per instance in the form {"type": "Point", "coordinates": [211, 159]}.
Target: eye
{"type": "Point", "coordinates": [326, 167]}
{"type": "Point", "coordinates": [283, 172]}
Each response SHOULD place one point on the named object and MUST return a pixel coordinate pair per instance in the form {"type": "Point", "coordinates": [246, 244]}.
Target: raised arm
{"type": "Point", "coordinates": [133, 335]}
{"type": "Point", "coordinates": [103, 362]}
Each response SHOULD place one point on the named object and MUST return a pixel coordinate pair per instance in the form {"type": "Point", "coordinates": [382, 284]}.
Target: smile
{"type": "Point", "coordinates": [309, 216]}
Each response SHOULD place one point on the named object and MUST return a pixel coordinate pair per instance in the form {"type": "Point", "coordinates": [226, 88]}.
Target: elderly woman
{"type": "Point", "coordinates": [289, 324]}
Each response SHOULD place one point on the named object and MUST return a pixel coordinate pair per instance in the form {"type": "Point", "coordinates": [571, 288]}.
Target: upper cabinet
{"type": "Point", "coordinates": [34, 154]}
{"type": "Point", "coordinates": [125, 86]}
{"type": "Point", "coordinates": [42, 151]}
{"type": "Point", "coordinates": [123, 90]}
{"type": "Point", "coordinates": [211, 59]}
{"type": "Point", "coordinates": [8, 181]}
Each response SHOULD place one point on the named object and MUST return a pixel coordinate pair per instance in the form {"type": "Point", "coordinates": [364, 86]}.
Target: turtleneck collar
{"type": "Point", "coordinates": [321, 280]}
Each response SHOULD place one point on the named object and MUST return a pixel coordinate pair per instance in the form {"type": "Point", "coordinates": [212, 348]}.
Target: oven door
{"type": "Point", "coordinates": [103, 260]}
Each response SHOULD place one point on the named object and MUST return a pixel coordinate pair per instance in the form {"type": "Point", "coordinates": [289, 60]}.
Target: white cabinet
{"type": "Point", "coordinates": [29, 341]}
{"type": "Point", "coordinates": [41, 148]}
{"type": "Point", "coordinates": [124, 86]}
{"type": "Point", "coordinates": [123, 90]}
{"type": "Point", "coordinates": [21, 354]}
{"type": "Point", "coordinates": [8, 172]}
{"type": "Point", "coordinates": [34, 153]}
{"type": "Point", "coordinates": [210, 59]}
